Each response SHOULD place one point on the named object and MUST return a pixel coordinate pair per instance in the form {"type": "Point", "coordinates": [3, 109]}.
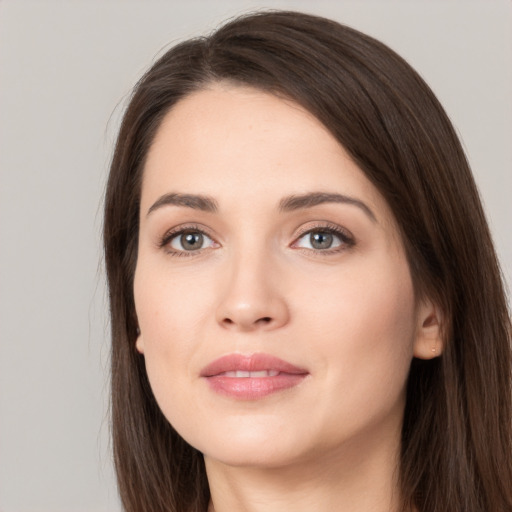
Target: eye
{"type": "Point", "coordinates": [324, 239]}
{"type": "Point", "coordinates": [187, 241]}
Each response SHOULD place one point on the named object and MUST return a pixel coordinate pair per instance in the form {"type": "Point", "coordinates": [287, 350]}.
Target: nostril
{"type": "Point", "coordinates": [248, 322]}
{"type": "Point", "coordinates": [265, 320]}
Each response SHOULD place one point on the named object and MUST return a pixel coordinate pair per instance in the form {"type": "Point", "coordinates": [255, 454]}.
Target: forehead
{"type": "Point", "coordinates": [242, 144]}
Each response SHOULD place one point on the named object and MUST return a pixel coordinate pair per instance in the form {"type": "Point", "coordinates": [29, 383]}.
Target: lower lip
{"type": "Point", "coordinates": [253, 388]}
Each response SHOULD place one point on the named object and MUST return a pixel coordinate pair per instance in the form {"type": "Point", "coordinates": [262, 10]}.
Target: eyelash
{"type": "Point", "coordinates": [175, 232]}
{"type": "Point", "coordinates": [346, 238]}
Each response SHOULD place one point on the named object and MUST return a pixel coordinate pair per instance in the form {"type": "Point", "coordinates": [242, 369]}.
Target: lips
{"type": "Point", "coordinates": [251, 377]}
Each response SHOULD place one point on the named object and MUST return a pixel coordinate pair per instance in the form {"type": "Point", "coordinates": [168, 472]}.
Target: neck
{"type": "Point", "coordinates": [355, 479]}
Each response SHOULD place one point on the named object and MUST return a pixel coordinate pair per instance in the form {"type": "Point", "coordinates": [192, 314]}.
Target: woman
{"type": "Point", "coordinates": [307, 310]}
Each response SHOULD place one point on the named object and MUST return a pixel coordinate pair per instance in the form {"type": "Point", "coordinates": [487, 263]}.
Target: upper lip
{"type": "Point", "coordinates": [250, 363]}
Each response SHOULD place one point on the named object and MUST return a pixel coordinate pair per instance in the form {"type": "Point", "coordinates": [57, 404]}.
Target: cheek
{"type": "Point", "coordinates": [168, 323]}
{"type": "Point", "coordinates": [158, 313]}
{"type": "Point", "coordinates": [168, 304]}
{"type": "Point", "coordinates": [172, 309]}
{"type": "Point", "coordinates": [373, 299]}
{"type": "Point", "coordinates": [365, 322]}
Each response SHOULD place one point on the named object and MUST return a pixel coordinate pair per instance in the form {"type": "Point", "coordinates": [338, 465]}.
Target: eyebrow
{"type": "Point", "coordinates": [197, 202]}
{"type": "Point", "coordinates": [287, 204]}
{"type": "Point", "coordinates": [299, 202]}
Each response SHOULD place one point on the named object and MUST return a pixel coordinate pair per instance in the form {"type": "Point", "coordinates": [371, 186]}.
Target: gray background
{"type": "Point", "coordinates": [65, 71]}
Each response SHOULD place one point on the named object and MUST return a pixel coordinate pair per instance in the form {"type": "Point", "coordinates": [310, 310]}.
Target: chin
{"type": "Point", "coordinates": [249, 446]}
{"type": "Point", "coordinates": [244, 455]}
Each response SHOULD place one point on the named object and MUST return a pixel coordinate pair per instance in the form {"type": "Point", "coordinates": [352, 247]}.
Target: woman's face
{"type": "Point", "coordinates": [274, 299]}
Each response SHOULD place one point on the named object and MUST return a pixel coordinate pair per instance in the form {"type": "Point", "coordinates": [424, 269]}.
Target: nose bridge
{"type": "Point", "coordinates": [252, 297]}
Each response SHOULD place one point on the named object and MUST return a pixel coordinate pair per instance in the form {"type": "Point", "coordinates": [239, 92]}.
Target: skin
{"type": "Point", "coordinates": [347, 314]}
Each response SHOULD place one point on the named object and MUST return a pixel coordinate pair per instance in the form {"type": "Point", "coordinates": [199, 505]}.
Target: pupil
{"type": "Point", "coordinates": [321, 240]}
{"type": "Point", "coordinates": [191, 241]}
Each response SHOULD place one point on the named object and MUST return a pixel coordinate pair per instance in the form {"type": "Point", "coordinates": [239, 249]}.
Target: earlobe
{"type": "Point", "coordinates": [428, 343]}
{"type": "Point", "coordinates": [139, 343]}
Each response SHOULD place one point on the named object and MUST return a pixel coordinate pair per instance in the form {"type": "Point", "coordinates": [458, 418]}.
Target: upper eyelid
{"type": "Point", "coordinates": [327, 226]}
{"type": "Point", "coordinates": [172, 233]}
{"type": "Point", "coordinates": [346, 238]}
{"type": "Point", "coordinates": [188, 227]}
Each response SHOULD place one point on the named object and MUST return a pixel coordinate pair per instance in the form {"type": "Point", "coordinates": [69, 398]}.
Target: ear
{"type": "Point", "coordinates": [429, 342]}
{"type": "Point", "coordinates": [139, 342]}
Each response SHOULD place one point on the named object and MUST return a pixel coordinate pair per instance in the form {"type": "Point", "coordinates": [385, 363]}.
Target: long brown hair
{"type": "Point", "coordinates": [456, 440]}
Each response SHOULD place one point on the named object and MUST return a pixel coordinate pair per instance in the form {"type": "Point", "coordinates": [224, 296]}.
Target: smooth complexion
{"type": "Point", "coordinates": [260, 238]}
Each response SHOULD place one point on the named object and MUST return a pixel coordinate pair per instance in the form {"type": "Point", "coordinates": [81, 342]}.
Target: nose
{"type": "Point", "coordinates": [252, 297]}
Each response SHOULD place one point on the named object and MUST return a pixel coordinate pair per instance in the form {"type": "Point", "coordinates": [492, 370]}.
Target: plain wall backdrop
{"type": "Point", "coordinates": [66, 69]}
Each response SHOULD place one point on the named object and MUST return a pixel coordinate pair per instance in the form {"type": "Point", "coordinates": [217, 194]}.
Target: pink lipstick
{"type": "Point", "coordinates": [251, 377]}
